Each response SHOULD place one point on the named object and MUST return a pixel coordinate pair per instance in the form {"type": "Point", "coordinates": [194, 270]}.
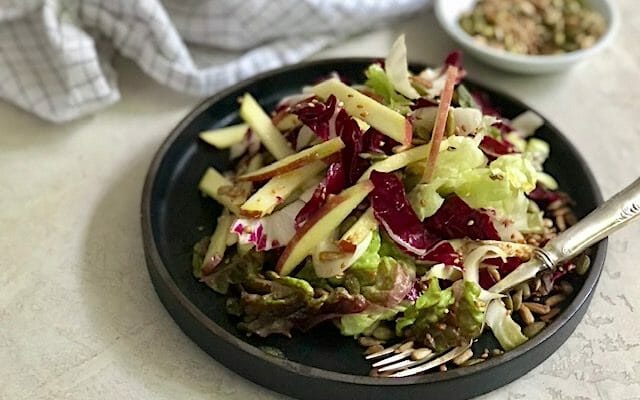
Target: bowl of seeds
{"type": "Point", "coordinates": [530, 36]}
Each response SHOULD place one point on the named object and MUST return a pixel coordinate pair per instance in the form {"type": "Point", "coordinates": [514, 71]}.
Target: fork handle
{"type": "Point", "coordinates": [612, 215]}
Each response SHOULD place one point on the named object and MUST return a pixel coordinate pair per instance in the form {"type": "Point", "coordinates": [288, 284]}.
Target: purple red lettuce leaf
{"type": "Point", "coordinates": [456, 219]}
{"type": "Point", "coordinates": [319, 116]}
{"type": "Point", "coordinates": [376, 142]}
{"type": "Point", "coordinates": [494, 148]}
{"type": "Point", "coordinates": [333, 183]}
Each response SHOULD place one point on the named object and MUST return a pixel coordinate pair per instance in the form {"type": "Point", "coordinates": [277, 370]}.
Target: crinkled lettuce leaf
{"type": "Point", "coordinates": [428, 309]}
{"type": "Point", "coordinates": [442, 319]}
{"type": "Point", "coordinates": [505, 329]}
{"type": "Point", "coordinates": [393, 280]}
{"type": "Point", "coordinates": [517, 170]}
{"type": "Point", "coordinates": [370, 258]}
{"type": "Point", "coordinates": [379, 83]}
{"type": "Point", "coordinates": [366, 322]}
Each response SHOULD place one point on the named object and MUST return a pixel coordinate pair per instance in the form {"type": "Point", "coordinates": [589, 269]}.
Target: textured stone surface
{"type": "Point", "coordinates": [79, 318]}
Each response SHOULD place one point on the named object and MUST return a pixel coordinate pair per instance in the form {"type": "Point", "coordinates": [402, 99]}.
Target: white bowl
{"type": "Point", "coordinates": [448, 12]}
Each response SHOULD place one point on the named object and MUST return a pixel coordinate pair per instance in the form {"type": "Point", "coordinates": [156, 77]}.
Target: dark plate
{"type": "Point", "coordinates": [320, 364]}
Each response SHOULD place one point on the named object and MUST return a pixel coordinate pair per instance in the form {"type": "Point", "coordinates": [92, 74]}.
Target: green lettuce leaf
{"type": "Point", "coordinates": [365, 323]}
{"type": "Point", "coordinates": [370, 258]}
{"type": "Point", "coordinates": [380, 84]}
{"type": "Point", "coordinates": [505, 329]}
{"type": "Point", "coordinates": [516, 170]}
{"type": "Point", "coordinates": [429, 308]}
{"type": "Point", "coordinates": [393, 280]}
{"type": "Point", "coordinates": [442, 319]}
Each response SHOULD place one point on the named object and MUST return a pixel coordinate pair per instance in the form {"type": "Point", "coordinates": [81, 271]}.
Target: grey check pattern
{"type": "Point", "coordinates": [55, 54]}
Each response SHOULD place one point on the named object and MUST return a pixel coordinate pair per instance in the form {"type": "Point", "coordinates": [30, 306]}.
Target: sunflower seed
{"type": "Point", "coordinates": [533, 329]}
{"type": "Point", "coordinates": [373, 349]}
{"type": "Point", "coordinates": [367, 341]}
{"type": "Point", "coordinates": [473, 361]}
{"type": "Point", "coordinates": [555, 300]}
{"type": "Point", "coordinates": [462, 358]}
{"type": "Point", "coordinates": [582, 264]}
{"type": "Point", "coordinates": [538, 308]}
{"type": "Point", "coordinates": [419, 354]}
{"type": "Point", "coordinates": [517, 300]}
{"type": "Point", "coordinates": [525, 314]}
{"type": "Point", "coordinates": [551, 314]}
{"type": "Point", "coordinates": [495, 274]}
{"type": "Point", "coordinates": [382, 333]}
{"type": "Point", "coordinates": [566, 288]}
{"type": "Point", "coordinates": [508, 302]}
{"type": "Point", "coordinates": [526, 290]}
{"type": "Point", "coordinates": [405, 346]}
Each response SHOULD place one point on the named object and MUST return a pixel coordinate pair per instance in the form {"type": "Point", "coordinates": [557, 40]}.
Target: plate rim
{"type": "Point", "coordinates": [154, 260]}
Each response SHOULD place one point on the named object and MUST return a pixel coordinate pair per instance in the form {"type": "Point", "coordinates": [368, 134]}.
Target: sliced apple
{"type": "Point", "coordinates": [261, 125]}
{"type": "Point", "coordinates": [210, 185]}
{"type": "Point", "coordinates": [320, 226]}
{"type": "Point", "coordinates": [287, 122]}
{"type": "Point", "coordinates": [278, 190]}
{"type": "Point", "coordinates": [397, 161]}
{"type": "Point", "coordinates": [217, 244]}
{"type": "Point", "coordinates": [295, 161]}
{"type": "Point", "coordinates": [330, 260]}
{"type": "Point", "coordinates": [224, 138]}
{"type": "Point", "coordinates": [359, 231]}
{"type": "Point", "coordinates": [381, 117]}
{"type": "Point", "coordinates": [362, 125]}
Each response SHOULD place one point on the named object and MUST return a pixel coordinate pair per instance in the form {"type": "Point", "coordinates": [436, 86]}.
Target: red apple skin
{"type": "Point", "coordinates": [279, 171]}
{"type": "Point", "coordinates": [317, 152]}
{"type": "Point", "coordinates": [408, 134]}
{"type": "Point", "coordinates": [317, 217]}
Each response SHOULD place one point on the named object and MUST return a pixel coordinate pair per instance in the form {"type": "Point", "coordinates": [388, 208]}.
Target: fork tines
{"type": "Point", "coordinates": [404, 360]}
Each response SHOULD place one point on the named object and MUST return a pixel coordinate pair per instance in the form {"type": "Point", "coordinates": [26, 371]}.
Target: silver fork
{"type": "Point", "coordinates": [406, 360]}
{"type": "Point", "coordinates": [612, 215]}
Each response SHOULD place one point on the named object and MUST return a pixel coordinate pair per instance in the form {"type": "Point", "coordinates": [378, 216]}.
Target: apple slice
{"type": "Point", "coordinates": [217, 244]}
{"type": "Point", "coordinates": [295, 161]}
{"type": "Point", "coordinates": [397, 161]}
{"type": "Point", "coordinates": [211, 183]}
{"type": "Point", "coordinates": [225, 137]}
{"type": "Point", "coordinates": [287, 122]}
{"type": "Point", "coordinates": [261, 125]}
{"type": "Point", "coordinates": [358, 232]}
{"type": "Point", "coordinates": [320, 226]}
{"type": "Point", "coordinates": [381, 117]}
{"type": "Point", "coordinates": [278, 189]}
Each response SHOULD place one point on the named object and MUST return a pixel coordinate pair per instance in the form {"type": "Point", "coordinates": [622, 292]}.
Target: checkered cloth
{"type": "Point", "coordinates": [55, 54]}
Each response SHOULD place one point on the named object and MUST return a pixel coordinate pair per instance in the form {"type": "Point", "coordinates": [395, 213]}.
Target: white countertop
{"type": "Point", "coordinates": [79, 318]}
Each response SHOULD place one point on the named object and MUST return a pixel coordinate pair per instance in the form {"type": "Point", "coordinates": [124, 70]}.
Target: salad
{"type": "Point", "coordinates": [388, 209]}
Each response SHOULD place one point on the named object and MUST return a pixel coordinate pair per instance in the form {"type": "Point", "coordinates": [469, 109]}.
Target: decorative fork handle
{"type": "Point", "coordinates": [612, 215]}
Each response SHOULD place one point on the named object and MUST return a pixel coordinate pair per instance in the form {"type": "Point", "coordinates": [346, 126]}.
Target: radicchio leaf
{"type": "Point", "coordinates": [485, 104]}
{"type": "Point", "coordinates": [455, 59]}
{"type": "Point", "coordinates": [333, 183]}
{"type": "Point", "coordinates": [543, 196]}
{"type": "Point", "coordinates": [493, 148]}
{"type": "Point", "coordinates": [455, 219]}
{"type": "Point", "coordinates": [349, 131]}
{"type": "Point", "coordinates": [442, 252]}
{"type": "Point", "coordinates": [392, 209]}
{"type": "Point", "coordinates": [268, 232]}
{"type": "Point", "coordinates": [319, 116]}
{"type": "Point", "coordinates": [423, 102]}
{"type": "Point", "coordinates": [376, 142]}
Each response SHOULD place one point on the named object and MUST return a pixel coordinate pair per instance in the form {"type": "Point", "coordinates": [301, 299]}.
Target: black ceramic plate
{"type": "Point", "coordinates": [320, 364]}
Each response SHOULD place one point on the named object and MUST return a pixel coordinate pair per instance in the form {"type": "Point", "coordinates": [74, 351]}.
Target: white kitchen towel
{"type": "Point", "coordinates": [55, 54]}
